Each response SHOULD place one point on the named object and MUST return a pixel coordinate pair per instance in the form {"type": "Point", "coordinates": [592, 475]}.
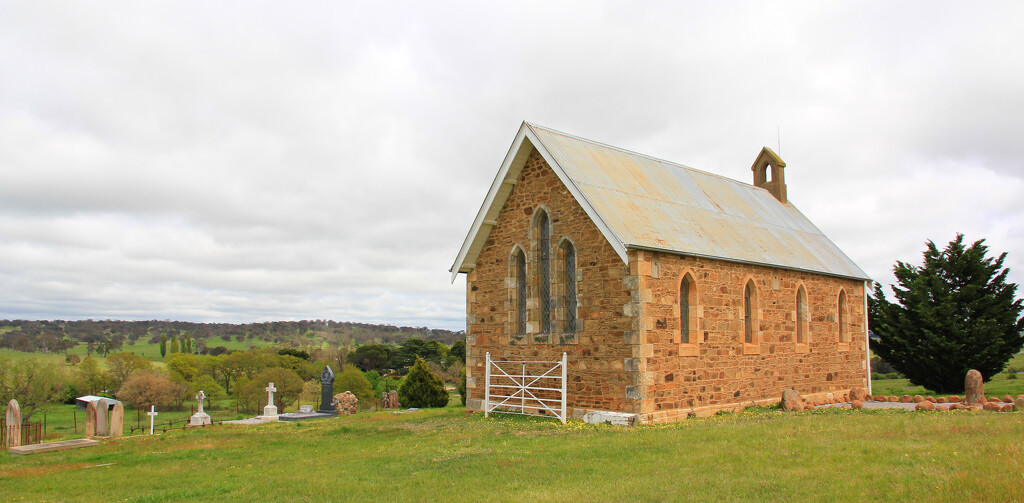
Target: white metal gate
{"type": "Point", "coordinates": [525, 387]}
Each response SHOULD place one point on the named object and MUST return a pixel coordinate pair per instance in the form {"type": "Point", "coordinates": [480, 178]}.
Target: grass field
{"type": "Point", "coordinates": [150, 351]}
{"type": "Point", "coordinates": [443, 455]}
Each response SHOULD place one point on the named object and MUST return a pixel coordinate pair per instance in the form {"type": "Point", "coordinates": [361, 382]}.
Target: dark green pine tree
{"type": "Point", "coordinates": [163, 345]}
{"type": "Point", "coordinates": [175, 348]}
{"type": "Point", "coordinates": [954, 313]}
{"type": "Point", "coordinates": [422, 388]}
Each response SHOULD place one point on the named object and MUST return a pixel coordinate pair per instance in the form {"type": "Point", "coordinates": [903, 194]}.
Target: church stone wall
{"type": "Point", "coordinates": [601, 374]}
{"type": "Point", "coordinates": [718, 369]}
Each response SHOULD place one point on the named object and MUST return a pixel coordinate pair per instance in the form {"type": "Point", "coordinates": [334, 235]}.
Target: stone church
{"type": "Point", "coordinates": [673, 291]}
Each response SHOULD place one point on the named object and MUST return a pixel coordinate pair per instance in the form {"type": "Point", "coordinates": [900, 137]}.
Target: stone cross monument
{"type": "Point", "coordinates": [270, 411]}
{"type": "Point", "coordinates": [326, 390]}
{"type": "Point", "coordinates": [200, 418]}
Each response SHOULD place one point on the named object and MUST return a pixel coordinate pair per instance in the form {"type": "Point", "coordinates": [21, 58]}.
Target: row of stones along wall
{"type": "Point", "coordinates": [718, 368]}
{"type": "Point", "coordinates": [604, 343]}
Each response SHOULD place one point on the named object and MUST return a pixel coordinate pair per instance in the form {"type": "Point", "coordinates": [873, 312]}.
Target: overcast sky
{"type": "Point", "coordinates": [251, 161]}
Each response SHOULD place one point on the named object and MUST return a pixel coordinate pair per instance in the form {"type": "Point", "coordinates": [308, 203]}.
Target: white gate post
{"type": "Point", "coordinates": [487, 385]}
{"type": "Point", "coordinates": [565, 360]}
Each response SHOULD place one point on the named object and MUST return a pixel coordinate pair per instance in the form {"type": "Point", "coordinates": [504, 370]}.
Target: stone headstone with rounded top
{"type": "Point", "coordinates": [974, 388]}
{"type": "Point", "coordinates": [90, 419]}
{"type": "Point", "coordinates": [102, 418]}
{"type": "Point", "coordinates": [117, 420]}
{"type": "Point", "coordinates": [13, 417]}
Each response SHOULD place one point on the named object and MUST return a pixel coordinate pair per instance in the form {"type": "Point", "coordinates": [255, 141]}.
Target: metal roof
{"type": "Point", "coordinates": [638, 201]}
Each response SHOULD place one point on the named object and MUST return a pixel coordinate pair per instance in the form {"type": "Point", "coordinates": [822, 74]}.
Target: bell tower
{"type": "Point", "coordinates": [777, 185]}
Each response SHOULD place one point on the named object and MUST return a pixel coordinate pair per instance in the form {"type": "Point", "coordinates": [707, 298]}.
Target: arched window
{"type": "Point", "coordinates": [687, 306]}
{"type": "Point", "coordinates": [750, 313]}
{"type": "Point", "coordinates": [569, 298]}
{"type": "Point", "coordinates": [844, 329]}
{"type": "Point", "coordinates": [519, 261]}
{"type": "Point", "coordinates": [802, 316]}
{"type": "Point", "coordinates": [543, 248]}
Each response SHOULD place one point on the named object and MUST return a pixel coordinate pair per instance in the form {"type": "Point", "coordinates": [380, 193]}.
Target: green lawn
{"type": "Point", "coordinates": [1002, 384]}
{"type": "Point", "coordinates": [443, 455]}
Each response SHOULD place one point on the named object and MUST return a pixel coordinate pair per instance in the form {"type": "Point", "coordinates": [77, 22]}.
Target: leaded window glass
{"type": "Point", "coordinates": [520, 292]}
{"type": "Point", "coordinates": [684, 312]}
{"type": "Point", "coordinates": [545, 273]}
{"type": "Point", "coordinates": [570, 288]}
{"type": "Point", "coordinates": [748, 322]}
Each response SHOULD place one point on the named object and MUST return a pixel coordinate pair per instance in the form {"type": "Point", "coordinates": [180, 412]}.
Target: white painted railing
{"type": "Point", "coordinates": [524, 387]}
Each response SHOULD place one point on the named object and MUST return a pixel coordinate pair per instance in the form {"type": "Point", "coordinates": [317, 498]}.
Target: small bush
{"type": "Point", "coordinates": [351, 379]}
{"type": "Point", "coordinates": [422, 388]}
{"type": "Point", "coordinates": [462, 386]}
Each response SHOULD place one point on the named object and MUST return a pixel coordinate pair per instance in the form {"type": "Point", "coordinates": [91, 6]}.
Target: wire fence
{"type": "Point", "coordinates": [29, 433]}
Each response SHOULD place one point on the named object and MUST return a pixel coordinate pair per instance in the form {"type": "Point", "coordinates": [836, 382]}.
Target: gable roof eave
{"type": "Point", "coordinates": [502, 186]}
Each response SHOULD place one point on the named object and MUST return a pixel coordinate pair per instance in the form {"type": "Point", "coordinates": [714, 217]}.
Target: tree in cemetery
{"type": "Point", "coordinates": [144, 389]}
{"type": "Point", "coordinates": [163, 345]}
{"type": "Point", "coordinates": [954, 313]}
{"type": "Point", "coordinates": [175, 348]}
{"type": "Point", "coordinates": [31, 382]}
{"type": "Point", "coordinates": [422, 388]}
{"type": "Point", "coordinates": [462, 386]}
{"type": "Point", "coordinates": [123, 364]}
{"type": "Point", "coordinates": [287, 382]}
{"type": "Point", "coordinates": [90, 378]}
{"type": "Point", "coordinates": [351, 379]}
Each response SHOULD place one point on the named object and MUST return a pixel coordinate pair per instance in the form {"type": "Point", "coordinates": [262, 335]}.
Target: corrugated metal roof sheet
{"type": "Point", "coordinates": [642, 202]}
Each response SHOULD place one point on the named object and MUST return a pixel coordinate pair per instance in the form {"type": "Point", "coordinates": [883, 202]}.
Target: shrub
{"type": "Point", "coordinates": [462, 386]}
{"type": "Point", "coordinates": [143, 389]}
{"type": "Point", "coordinates": [422, 388]}
{"type": "Point", "coordinates": [254, 395]}
{"type": "Point", "coordinates": [351, 379]}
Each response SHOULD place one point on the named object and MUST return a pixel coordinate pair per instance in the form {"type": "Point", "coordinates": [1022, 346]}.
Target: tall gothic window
{"type": "Point", "coordinates": [544, 256]}
{"type": "Point", "coordinates": [686, 295]}
{"type": "Point", "coordinates": [749, 298]}
{"type": "Point", "coordinates": [570, 287]}
{"type": "Point", "coordinates": [520, 271]}
{"type": "Point", "coordinates": [801, 316]}
{"type": "Point", "coordinates": [844, 330]}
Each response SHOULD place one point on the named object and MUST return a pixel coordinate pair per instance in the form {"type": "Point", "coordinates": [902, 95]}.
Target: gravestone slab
{"type": "Point", "coordinates": [13, 417]}
{"type": "Point", "coordinates": [200, 418]}
{"type": "Point", "coordinates": [326, 390]}
{"type": "Point", "coordinates": [974, 387]}
{"type": "Point", "coordinates": [90, 419]}
{"type": "Point", "coordinates": [305, 408]}
{"type": "Point", "coordinates": [393, 400]}
{"type": "Point", "coordinates": [270, 411]}
{"type": "Point", "coordinates": [102, 418]}
{"type": "Point", "coordinates": [117, 420]}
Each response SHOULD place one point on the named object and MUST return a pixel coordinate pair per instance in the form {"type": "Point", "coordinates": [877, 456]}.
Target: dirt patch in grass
{"type": "Point", "coordinates": [35, 471]}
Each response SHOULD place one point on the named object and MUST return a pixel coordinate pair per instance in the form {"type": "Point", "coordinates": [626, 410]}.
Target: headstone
{"type": "Point", "coordinates": [974, 387]}
{"type": "Point", "coordinates": [102, 417]}
{"type": "Point", "coordinates": [152, 415]}
{"type": "Point", "coordinates": [117, 420]}
{"type": "Point", "coordinates": [326, 389]}
{"type": "Point", "coordinates": [13, 417]}
{"type": "Point", "coordinates": [345, 403]}
{"type": "Point", "coordinates": [791, 401]}
{"type": "Point", "coordinates": [270, 411]}
{"type": "Point", "coordinates": [305, 409]}
{"type": "Point", "coordinates": [200, 418]}
{"type": "Point", "coordinates": [90, 419]}
{"type": "Point", "coordinates": [393, 400]}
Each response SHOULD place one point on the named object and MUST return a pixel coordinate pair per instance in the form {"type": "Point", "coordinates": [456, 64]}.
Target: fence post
{"type": "Point", "coordinates": [74, 417]}
{"type": "Point", "coordinates": [565, 360]}
{"type": "Point", "coordinates": [487, 385]}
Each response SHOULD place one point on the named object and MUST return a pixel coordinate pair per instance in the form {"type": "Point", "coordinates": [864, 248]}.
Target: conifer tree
{"type": "Point", "coordinates": [175, 348]}
{"type": "Point", "coordinates": [954, 313]}
{"type": "Point", "coordinates": [163, 345]}
{"type": "Point", "coordinates": [422, 388]}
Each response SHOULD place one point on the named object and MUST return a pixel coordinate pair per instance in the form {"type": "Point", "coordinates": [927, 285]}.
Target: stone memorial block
{"type": "Point", "coordinates": [90, 419]}
{"type": "Point", "coordinates": [200, 418]}
{"type": "Point", "coordinates": [13, 418]}
{"type": "Point", "coordinates": [393, 400]}
{"type": "Point", "coordinates": [345, 403]}
{"type": "Point", "coordinates": [974, 388]}
{"type": "Point", "coordinates": [306, 409]}
{"type": "Point", "coordinates": [102, 417]}
{"type": "Point", "coordinates": [117, 420]}
{"type": "Point", "coordinates": [326, 389]}
{"type": "Point", "coordinates": [791, 401]}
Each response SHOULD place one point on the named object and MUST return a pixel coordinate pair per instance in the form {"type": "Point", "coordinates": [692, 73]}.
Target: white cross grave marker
{"type": "Point", "coordinates": [270, 390]}
{"type": "Point", "coordinates": [152, 415]}
{"type": "Point", "coordinates": [270, 411]}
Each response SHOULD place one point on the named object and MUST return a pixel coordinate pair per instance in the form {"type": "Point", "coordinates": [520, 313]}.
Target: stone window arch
{"type": "Point", "coordinates": [541, 249]}
{"type": "Point", "coordinates": [569, 294]}
{"type": "Point", "coordinates": [517, 287]}
{"type": "Point", "coordinates": [689, 316]}
{"type": "Point", "coordinates": [751, 314]}
{"type": "Point", "coordinates": [803, 320]}
{"type": "Point", "coordinates": [843, 311]}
